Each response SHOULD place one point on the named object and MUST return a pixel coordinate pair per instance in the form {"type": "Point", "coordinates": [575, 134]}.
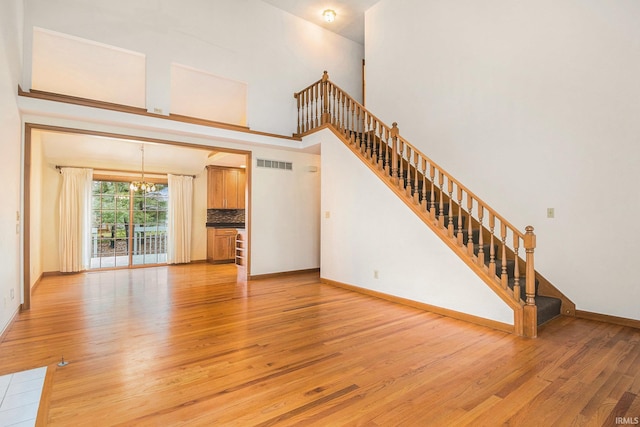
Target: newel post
{"type": "Point", "coordinates": [394, 153]}
{"type": "Point", "coordinates": [530, 309]}
{"type": "Point", "coordinates": [325, 97]}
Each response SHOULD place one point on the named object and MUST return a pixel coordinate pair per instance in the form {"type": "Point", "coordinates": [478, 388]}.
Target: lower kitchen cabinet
{"type": "Point", "coordinates": [221, 245]}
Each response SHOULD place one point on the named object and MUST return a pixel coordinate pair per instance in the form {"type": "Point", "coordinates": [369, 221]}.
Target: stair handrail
{"type": "Point", "coordinates": [324, 103]}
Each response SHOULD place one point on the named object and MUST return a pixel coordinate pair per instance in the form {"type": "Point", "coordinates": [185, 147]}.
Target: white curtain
{"type": "Point", "coordinates": [179, 218]}
{"type": "Point", "coordinates": [75, 219]}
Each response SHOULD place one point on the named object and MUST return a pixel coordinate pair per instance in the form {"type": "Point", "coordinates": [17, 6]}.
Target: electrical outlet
{"type": "Point", "coordinates": [327, 214]}
{"type": "Point", "coordinates": [12, 294]}
{"type": "Point", "coordinates": [375, 274]}
{"type": "Point", "coordinates": [551, 213]}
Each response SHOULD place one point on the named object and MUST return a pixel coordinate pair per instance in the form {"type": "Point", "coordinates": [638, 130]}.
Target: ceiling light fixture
{"type": "Point", "coordinates": [329, 15]}
{"type": "Point", "coordinates": [142, 185]}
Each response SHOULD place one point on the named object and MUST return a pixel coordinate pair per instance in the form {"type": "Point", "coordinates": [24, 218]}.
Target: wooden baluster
{"type": "Point", "coordinates": [389, 149]}
{"type": "Point", "coordinates": [450, 225]}
{"type": "Point", "coordinates": [480, 237]}
{"type": "Point", "coordinates": [339, 96]}
{"type": "Point", "coordinates": [330, 97]}
{"type": "Point", "coordinates": [315, 113]}
{"type": "Point", "coordinates": [353, 121]}
{"type": "Point", "coordinates": [325, 97]}
{"type": "Point", "coordinates": [387, 160]}
{"type": "Point", "coordinates": [363, 131]}
{"type": "Point", "coordinates": [377, 143]}
{"type": "Point", "coordinates": [345, 111]}
{"type": "Point", "coordinates": [432, 205]}
{"type": "Point", "coordinates": [308, 108]}
{"type": "Point", "coordinates": [295, 95]}
{"type": "Point", "coordinates": [347, 124]}
{"type": "Point", "coordinates": [308, 96]}
{"type": "Point", "coordinates": [403, 182]}
{"type": "Point", "coordinates": [357, 129]}
{"type": "Point", "coordinates": [394, 153]}
{"type": "Point", "coordinates": [492, 251]}
{"type": "Point", "coordinates": [409, 182]}
{"type": "Point", "coordinates": [332, 104]}
{"type": "Point", "coordinates": [530, 311]}
{"type": "Point", "coordinates": [516, 267]}
{"type": "Point", "coordinates": [441, 204]}
{"type": "Point", "coordinates": [336, 107]}
{"type": "Point", "coordinates": [425, 205]}
{"type": "Point", "coordinates": [369, 139]}
{"type": "Point", "coordinates": [416, 164]}
{"type": "Point", "coordinates": [460, 216]}
{"type": "Point", "coordinates": [363, 115]}
{"type": "Point", "coordinates": [305, 104]}
{"type": "Point", "coordinates": [504, 278]}
{"type": "Point", "coordinates": [340, 109]}
{"type": "Point", "coordinates": [470, 226]}
{"type": "Point", "coordinates": [337, 99]}
{"type": "Point", "coordinates": [374, 142]}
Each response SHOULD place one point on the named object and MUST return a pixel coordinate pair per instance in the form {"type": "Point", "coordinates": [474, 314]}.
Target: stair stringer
{"type": "Point", "coordinates": [506, 295]}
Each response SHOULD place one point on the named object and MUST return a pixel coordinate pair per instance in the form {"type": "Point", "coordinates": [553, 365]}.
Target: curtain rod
{"type": "Point", "coordinates": [122, 171]}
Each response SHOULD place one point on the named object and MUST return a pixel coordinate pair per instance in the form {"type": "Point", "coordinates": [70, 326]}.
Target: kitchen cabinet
{"type": "Point", "coordinates": [221, 245]}
{"type": "Point", "coordinates": [225, 188]}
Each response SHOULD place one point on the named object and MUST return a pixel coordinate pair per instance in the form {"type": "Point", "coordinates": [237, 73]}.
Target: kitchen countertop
{"type": "Point", "coordinates": [225, 225]}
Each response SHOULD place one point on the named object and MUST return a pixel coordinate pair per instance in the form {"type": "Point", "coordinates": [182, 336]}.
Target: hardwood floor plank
{"type": "Point", "coordinates": [189, 345]}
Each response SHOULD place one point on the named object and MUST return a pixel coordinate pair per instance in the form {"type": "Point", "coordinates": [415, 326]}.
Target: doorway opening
{"type": "Point", "coordinates": [112, 156]}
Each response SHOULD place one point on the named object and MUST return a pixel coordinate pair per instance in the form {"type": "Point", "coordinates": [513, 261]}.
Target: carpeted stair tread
{"type": "Point", "coordinates": [548, 308]}
{"type": "Point", "coordinates": [523, 293]}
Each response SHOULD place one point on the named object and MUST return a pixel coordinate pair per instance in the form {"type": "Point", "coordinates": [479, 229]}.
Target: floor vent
{"type": "Point", "coordinates": [275, 164]}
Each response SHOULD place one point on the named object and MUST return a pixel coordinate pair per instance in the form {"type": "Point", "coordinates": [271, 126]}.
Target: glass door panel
{"type": "Point", "coordinates": [150, 236]}
{"type": "Point", "coordinates": [119, 242]}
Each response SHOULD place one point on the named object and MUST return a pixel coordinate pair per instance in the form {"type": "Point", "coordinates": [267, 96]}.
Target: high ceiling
{"type": "Point", "coordinates": [349, 20]}
{"type": "Point", "coordinates": [88, 151]}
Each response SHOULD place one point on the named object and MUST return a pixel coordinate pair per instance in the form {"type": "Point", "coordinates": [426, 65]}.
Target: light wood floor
{"type": "Point", "coordinates": [187, 345]}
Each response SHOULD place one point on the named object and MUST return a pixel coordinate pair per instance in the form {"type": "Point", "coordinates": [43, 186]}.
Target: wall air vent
{"type": "Point", "coordinates": [275, 164]}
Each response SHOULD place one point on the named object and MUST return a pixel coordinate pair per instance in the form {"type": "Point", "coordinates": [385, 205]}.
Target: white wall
{"type": "Point", "coordinates": [369, 228]}
{"type": "Point", "coordinates": [10, 132]}
{"type": "Point", "coordinates": [285, 226]}
{"type": "Point", "coordinates": [532, 104]}
{"type": "Point", "coordinates": [250, 41]}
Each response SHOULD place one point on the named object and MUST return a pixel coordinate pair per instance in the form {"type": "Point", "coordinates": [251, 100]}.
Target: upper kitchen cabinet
{"type": "Point", "coordinates": [225, 188]}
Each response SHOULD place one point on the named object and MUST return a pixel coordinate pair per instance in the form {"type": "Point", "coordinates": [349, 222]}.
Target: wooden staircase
{"type": "Point", "coordinates": [488, 243]}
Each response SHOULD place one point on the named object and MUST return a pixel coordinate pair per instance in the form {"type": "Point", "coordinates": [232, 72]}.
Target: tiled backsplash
{"type": "Point", "coordinates": [227, 216]}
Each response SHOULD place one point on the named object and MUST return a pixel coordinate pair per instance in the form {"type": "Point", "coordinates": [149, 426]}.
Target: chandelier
{"type": "Point", "coordinates": [142, 185]}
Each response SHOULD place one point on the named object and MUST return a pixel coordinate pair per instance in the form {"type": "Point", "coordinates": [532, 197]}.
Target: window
{"type": "Point", "coordinates": [128, 228]}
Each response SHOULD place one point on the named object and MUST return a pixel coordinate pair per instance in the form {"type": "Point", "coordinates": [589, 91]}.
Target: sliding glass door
{"type": "Point", "coordinates": [128, 228]}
